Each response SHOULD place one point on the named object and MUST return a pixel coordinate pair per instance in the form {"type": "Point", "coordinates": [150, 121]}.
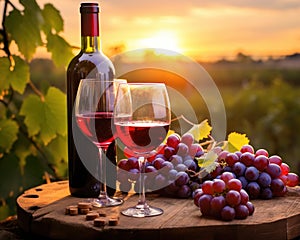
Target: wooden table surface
{"type": "Point", "coordinates": [41, 212]}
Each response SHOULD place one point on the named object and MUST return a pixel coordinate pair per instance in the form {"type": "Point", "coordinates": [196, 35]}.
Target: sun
{"type": "Point", "coordinates": [166, 40]}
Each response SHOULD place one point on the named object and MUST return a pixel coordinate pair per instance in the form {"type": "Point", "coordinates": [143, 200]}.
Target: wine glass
{"type": "Point", "coordinates": [142, 117]}
{"type": "Point", "coordinates": [94, 107]}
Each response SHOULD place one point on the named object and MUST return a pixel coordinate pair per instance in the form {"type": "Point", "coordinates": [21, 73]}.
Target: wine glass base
{"type": "Point", "coordinates": [141, 211]}
{"type": "Point", "coordinates": [106, 202]}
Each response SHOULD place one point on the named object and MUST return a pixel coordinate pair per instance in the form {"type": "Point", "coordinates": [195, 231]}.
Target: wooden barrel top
{"type": "Point", "coordinates": [41, 212]}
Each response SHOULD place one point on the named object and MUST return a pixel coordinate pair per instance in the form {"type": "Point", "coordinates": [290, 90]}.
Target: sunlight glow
{"type": "Point", "coordinates": [162, 40]}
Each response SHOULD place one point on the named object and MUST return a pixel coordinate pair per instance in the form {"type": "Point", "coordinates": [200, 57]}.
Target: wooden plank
{"type": "Point", "coordinates": [41, 211]}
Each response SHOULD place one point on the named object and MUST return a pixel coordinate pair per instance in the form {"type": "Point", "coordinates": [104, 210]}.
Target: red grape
{"type": "Point", "coordinates": [247, 158]}
{"type": "Point", "coordinates": [275, 159]}
{"type": "Point", "coordinates": [285, 169]}
{"type": "Point", "coordinates": [247, 148]}
{"type": "Point", "coordinates": [173, 140]}
{"type": "Point", "coordinates": [234, 184]}
{"type": "Point", "coordinates": [262, 152]}
{"type": "Point", "coordinates": [292, 180]}
{"type": "Point", "coordinates": [226, 176]}
{"type": "Point", "coordinates": [218, 186]}
{"type": "Point", "coordinates": [261, 162]}
{"type": "Point", "coordinates": [231, 159]}
{"type": "Point", "coordinates": [207, 187]}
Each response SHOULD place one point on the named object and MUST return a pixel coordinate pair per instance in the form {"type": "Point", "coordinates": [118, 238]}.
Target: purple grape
{"type": "Point", "coordinates": [204, 204]}
{"type": "Point", "coordinates": [264, 180]}
{"type": "Point", "coordinates": [182, 178]}
{"type": "Point", "coordinates": [172, 174]}
{"type": "Point", "coordinates": [266, 193]}
{"type": "Point", "coordinates": [184, 191]}
{"type": "Point", "coordinates": [191, 165]}
{"type": "Point", "coordinates": [250, 207]}
{"type": "Point", "coordinates": [172, 188]}
{"type": "Point", "coordinates": [277, 185]}
{"type": "Point", "coordinates": [166, 167]}
{"type": "Point", "coordinates": [187, 139]}
{"type": "Point", "coordinates": [239, 169]}
{"type": "Point", "coordinates": [182, 149]}
{"type": "Point", "coordinates": [228, 213]}
{"type": "Point", "coordinates": [253, 189]}
{"type": "Point", "coordinates": [241, 211]}
{"type": "Point", "coordinates": [274, 170]}
{"type": "Point", "coordinates": [243, 181]}
{"type": "Point", "coordinates": [251, 173]}
{"type": "Point", "coordinates": [247, 158]}
{"type": "Point", "coordinates": [176, 159]}
{"type": "Point", "coordinates": [160, 181]}
{"type": "Point", "coordinates": [181, 167]}
{"type": "Point", "coordinates": [216, 205]}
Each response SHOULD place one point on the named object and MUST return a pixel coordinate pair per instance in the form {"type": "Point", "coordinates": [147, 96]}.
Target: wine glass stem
{"type": "Point", "coordinates": [102, 166]}
{"type": "Point", "coordinates": [142, 195]}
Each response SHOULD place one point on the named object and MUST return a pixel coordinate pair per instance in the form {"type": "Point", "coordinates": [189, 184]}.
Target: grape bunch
{"type": "Point", "coordinates": [223, 198]}
{"type": "Point", "coordinates": [261, 175]}
{"type": "Point", "coordinates": [167, 170]}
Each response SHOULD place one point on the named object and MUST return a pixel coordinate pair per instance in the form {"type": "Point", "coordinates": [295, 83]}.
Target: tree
{"type": "Point", "coordinates": [32, 119]}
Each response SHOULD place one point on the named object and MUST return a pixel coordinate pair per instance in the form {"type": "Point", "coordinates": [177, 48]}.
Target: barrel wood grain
{"type": "Point", "coordinates": [41, 211]}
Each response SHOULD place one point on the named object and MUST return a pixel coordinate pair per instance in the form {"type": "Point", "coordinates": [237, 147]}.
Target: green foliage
{"type": "Point", "coordinates": [49, 116]}
{"type": "Point", "coordinates": [32, 116]}
{"type": "Point", "coordinates": [270, 116]}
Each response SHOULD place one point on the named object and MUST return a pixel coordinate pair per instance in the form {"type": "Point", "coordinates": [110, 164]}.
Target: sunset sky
{"type": "Point", "coordinates": [202, 29]}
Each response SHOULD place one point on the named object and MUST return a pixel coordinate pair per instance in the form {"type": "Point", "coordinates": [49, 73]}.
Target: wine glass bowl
{"type": "Point", "coordinates": [94, 106]}
{"type": "Point", "coordinates": [142, 118]}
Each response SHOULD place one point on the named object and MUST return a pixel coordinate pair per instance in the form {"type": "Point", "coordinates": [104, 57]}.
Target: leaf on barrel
{"type": "Point", "coordinates": [236, 141]}
{"type": "Point", "coordinates": [201, 130]}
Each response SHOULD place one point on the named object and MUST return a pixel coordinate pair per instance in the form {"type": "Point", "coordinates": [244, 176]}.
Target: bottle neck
{"type": "Point", "coordinates": [90, 44]}
{"type": "Point", "coordinates": [90, 28]}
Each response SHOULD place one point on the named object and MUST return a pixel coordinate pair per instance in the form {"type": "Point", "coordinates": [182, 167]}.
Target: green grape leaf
{"type": "Point", "coordinates": [53, 19]}
{"type": "Point", "coordinates": [208, 161]}
{"type": "Point", "coordinates": [34, 170]}
{"type": "Point", "coordinates": [10, 176]}
{"type": "Point", "coordinates": [48, 117]}
{"type": "Point", "coordinates": [24, 27]}
{"type": "Point", "coordinates": [57, 155]}
{"type": "Point", "coordinates": [236, 141]}
{"type": "Point", "coordinates": [8, 133]}
{"type": "Point", "coordinates": [60, 49]}
{"type": "Point", "coordinates": [18, 78]}
{"type": "Point", "coordinates": [201, 130]}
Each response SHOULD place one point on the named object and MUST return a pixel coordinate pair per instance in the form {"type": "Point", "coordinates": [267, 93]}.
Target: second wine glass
{"type": "Point", "coordinates": [142, 117]}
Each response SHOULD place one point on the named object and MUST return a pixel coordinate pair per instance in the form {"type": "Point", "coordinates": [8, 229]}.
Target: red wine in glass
{"type": "Point", "coordinates": [97, 127]}
{"type": "Point", "coordinates": [142, 136]}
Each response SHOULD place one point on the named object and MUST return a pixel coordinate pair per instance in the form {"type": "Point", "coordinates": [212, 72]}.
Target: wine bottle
{"type": "Point", "coordinates": [82, 154]}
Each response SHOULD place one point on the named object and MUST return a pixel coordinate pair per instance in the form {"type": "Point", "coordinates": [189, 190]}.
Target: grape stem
{"type": "Point", "coordinates": [184, 118]}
